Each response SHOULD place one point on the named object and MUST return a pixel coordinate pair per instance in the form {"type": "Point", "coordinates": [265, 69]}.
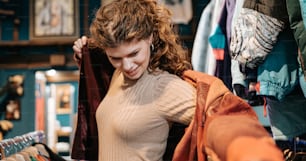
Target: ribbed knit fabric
{"type": "Point", "coordinates": [133, 118]}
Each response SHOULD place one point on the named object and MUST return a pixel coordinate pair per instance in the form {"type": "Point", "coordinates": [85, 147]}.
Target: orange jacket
{"type": "Point", "coordinates": [225, 127]}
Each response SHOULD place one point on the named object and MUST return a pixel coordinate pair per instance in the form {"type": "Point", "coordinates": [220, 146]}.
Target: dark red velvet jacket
{"type": "Point", "coordinates": [95, 75]}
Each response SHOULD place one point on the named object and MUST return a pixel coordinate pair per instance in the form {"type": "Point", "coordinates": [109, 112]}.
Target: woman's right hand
{"type": "Point", "coordinates": [77, 47]}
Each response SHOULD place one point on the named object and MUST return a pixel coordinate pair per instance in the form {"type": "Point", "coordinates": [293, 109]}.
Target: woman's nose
{"type": "Point", "coordinates": [126, 64]}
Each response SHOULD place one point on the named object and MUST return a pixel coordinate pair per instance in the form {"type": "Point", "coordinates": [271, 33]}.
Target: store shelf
{"type": "Point", "coordinates": [27, 43]}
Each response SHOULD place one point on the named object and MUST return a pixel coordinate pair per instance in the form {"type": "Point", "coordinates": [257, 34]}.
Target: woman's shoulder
{"type": "Point", "coordinates": [164, 76]}
{"type": "Point", "coordinates": [165, 79]}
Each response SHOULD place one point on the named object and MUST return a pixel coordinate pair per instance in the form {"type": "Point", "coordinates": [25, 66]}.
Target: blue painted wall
{"type": "Point", "coordinates": [26, 123]}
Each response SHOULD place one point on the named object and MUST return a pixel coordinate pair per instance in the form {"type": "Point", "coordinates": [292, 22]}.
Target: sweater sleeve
{"type": "Point", "coordinates": [176, 99]}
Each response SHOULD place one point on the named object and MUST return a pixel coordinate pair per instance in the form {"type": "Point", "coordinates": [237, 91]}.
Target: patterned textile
{"type": "Point", "coordinates": [253, 37]}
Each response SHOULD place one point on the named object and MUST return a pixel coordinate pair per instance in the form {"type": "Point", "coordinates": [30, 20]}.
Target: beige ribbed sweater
{"type": "Point", "coordinates": [133, 118]}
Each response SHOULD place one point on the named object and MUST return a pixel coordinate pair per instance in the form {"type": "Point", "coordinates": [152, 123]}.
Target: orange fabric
{"type": "Point", "coordinates": [40, 158]}
{"type": "Point", "coordinates": [260, 149]}
{"type": "Point", "coordinates": [220, 118]}
{"type": "Point", "coordinates": [222, 130]}
{"type": "Point", "coordinates": [219, 54]}
{"type": "Point", "coordinates": [257, 87]}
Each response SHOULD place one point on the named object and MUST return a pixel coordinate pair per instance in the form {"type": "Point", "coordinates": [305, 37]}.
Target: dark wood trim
{"type": "Point", "coordinates": [26, 43]}
{"type": "Point", "coordinates": [32, 61]}
{"type": "Point", "coordinates": [63, 76]}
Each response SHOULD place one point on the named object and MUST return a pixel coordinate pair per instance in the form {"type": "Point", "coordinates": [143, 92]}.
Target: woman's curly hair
{"type": "Point", "coordinates": [125, 20]}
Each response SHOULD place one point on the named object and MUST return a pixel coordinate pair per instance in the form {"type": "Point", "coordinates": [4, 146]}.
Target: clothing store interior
{"type": "Point", "coordinates": [259, 54]}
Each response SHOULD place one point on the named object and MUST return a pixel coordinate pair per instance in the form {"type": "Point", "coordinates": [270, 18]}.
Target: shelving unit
{"type": "Point", "coordinates": [63, 143]}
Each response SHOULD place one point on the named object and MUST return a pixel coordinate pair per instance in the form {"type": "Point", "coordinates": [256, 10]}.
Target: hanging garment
{"type": "Point", "coordinates": [253, 38]}
{"type": "Point", "coordinates": [239, 82]}
{"type": "Point", "coordinates": [299, 30]}
{"type": "Point", "coordinates": [219, 43]}
{"type": "Point", "coordinates": [279, 77]}
{"type": "Point", "coordinates": [202, 57]}
{"type": "Point", "coordinates": [256, 30]}
{"type": "Point", "coordinates": [201, 47]}
{"type": "Point", "coordinates": [47, 152]}
{"type": "Point", "coordinates": [303, 11]}
{"type": "Point", "coordinates": [279, 74]}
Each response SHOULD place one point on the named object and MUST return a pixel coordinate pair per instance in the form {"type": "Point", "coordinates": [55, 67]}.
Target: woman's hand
{"type": "Point", "coordinates": [77, 48]}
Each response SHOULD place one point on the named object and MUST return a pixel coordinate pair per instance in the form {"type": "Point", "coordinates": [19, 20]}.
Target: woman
{"type": "Point", "coordinates": [146, 94]}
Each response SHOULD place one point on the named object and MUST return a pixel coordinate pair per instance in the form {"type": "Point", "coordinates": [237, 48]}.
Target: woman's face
{"type": "Point", "coordinates": [132, 58]}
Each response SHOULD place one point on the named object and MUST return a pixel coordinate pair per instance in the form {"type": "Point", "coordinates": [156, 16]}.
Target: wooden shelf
{"type": "Point", "coordinates": [29, 61]}
{"type": "Point", "coordinates": [26, 43]}
{"type": "Point", "coordinates": [63, 133]}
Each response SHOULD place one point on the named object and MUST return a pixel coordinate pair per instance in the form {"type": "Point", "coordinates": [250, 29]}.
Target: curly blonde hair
{"type": "Point", "coordinates": [125, 20]}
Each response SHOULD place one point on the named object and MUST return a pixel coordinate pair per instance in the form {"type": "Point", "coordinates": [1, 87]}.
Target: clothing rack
{"type": "Point", "coordinates": [18, 143]}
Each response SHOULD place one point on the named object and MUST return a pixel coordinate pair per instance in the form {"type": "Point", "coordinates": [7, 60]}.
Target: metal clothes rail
{"type": "Point", "coordinates": [13, 145]}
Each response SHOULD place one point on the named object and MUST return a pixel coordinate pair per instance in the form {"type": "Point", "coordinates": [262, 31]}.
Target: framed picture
{"type": "Point", "coordinates": [54, 19]}
{"type": "Point", "coordinates": [64, 98]}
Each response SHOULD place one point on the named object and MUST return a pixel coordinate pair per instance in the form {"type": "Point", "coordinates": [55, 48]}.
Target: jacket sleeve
{"type": "Point", "coordinates": [95, 75]}
{"type": "Point", "coordinates": [298, 28]}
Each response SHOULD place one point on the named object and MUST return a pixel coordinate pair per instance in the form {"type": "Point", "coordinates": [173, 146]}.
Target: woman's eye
{"type": "Point", "coordinates": [115, 59]}
{"type": "Point", "coordinates": [133, 54]}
